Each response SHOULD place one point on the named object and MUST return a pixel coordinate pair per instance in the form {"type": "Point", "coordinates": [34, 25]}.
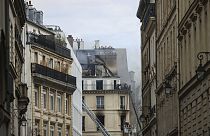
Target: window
{"type": "Point", "coordinates": [122, 120]}
{"type": "Point", "coordinates": [59, 103]}
{"type": "Point", "coordinates": [45, 129]}
{"type": "Point", "coordinates": [35, 57]}
{"type": "Point", "coordinates": [36, 127]}
{"type": "Point", "coordinates": [50, 63]}
{"type": "Point", "coordinates": [83, 98]}
{"type": "Point", "coordinates": [82, 84]}
{"type": "Point", "coordinates": [122, 102]}
{"type": "Point", "coordinates": [36, 97]}
{"type": "Point", "coordinates": [52, 130]}
{"type": "Point", "coordinates": [115, 84]}
{"type": "Point", "coordinates": [67, 131]}
{"type": "Point", "coordinates": [44, 98]}
{"type": "Point", "coordinates": [100, 102]}
{"type": "Point", "coordinates": [43, 60]}
{"type": "Point", "coordinates": [59, 65]}
{"type": "Point", "coordinates": [83, 123]}
{"type": "Point", "coordinates": [59, 131]}
{"type": "Point", "coordinates": [99, 84]}
{"type": "Point", "coordinates": [51, 101]}
{"type": "Point", "coordinates": [101, 119]}
{"type": "Point", "coordinates": [66, 108]}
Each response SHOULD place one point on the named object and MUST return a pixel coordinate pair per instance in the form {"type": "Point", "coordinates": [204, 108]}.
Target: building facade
{"type": "Point", "coordinates": [103, 92]}
{"type": "Point", "coordinates": [146, 14]}
{"type": "Point", "coordinates": [194, 94]}
{"type": "Point", "coordinates": [76, 70]}
{"type": "Point", "coordinates": [14, 98]}
{"type": "Point", "coordinates": [110, 105]}
{"type": "Point", "coordinates": [182, 61]}
{"type": "Point", "coordinates": [51, 84]}
{"type": "Point", "coordinates": [167, 59]}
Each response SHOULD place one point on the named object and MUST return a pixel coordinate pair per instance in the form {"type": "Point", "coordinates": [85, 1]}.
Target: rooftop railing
{"type": "Point", "coordinates": [48, 42]}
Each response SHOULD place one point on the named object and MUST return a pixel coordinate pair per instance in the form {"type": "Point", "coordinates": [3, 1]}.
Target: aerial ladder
{"type": "Point", "coordinates": [95, 119]}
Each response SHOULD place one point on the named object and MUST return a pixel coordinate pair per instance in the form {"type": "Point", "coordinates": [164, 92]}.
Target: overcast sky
{"type": "Point", "coordinates": [113, 22]}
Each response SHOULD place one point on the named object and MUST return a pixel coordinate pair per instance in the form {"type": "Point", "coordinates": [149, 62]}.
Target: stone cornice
{"type": "Point", "coordinates": [190, 16]}
{"type": "Point", "coordinates": [106, 91]}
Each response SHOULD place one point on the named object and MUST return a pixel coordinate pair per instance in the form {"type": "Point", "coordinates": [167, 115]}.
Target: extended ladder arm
{"type": "Point", "coordinates": [95, 119]}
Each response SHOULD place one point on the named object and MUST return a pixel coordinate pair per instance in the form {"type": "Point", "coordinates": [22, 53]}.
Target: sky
{"type": "Point", "coordinates": [113, 22]}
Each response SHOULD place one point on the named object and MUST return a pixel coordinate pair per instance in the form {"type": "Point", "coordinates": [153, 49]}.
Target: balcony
{"type": "Point", "coordinates": [53, 78]}
{"type": "Point", "coordinates": [99, 107]}
{"type": "Point", "coordinates": [48, 42]}
{"type": "Point", "coordinates": [108, 87]}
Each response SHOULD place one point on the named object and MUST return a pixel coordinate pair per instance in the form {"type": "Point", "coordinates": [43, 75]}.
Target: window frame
{"type": "Point", "coordinates": [45, 128]}
{"type": "Point", "coordinates": [102, 122]}
{"type": "Point", "coordinates": [99, 84]}
{"type": "Point", "coordinates": [83, 123]}
{"type": "Point", "coordinates": [100, 102]}
{"type": "Point", "coordinates": [36, 57]}
{"type": "Point", "coordinates": [36, 97]}
{"type": "Point", "coordinates": [122, 102]}
{"type": "Point", "coordinates": [60, 130]}
{"type": "Point", "coordinates": [44, 99]}
{"type": "Point", "coordinates": [50, 63]}
{"type": "Point", "coordinates": [52, 107]}
{"type": "Point", "coordinates": [66, 106]}
{"type": "Point", "coordinates": [67, 131]}
{"type": "Point", "coordinates": [59, 103]}
{"type": "Point", "coordinates": [52, 129]}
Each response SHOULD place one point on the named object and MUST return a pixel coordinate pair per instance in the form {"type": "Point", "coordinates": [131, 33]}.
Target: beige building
{"type": "Point", "coordinates": [194, 94]}
{"type": "Point", "coordinates": [166, 50]}
{"type": "Point", "coordinates": [182, 94]}
{"type": "Point", "coordinates": [48, 74]}
{"type": "Point", "coordinates": [106, 90]}
{"type": "Point", "coordinates": [146, 14]}
{"type": "Point", "coordinates": [109, 104]}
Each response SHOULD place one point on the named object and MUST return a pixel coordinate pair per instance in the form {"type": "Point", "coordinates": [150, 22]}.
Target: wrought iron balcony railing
{"type": "Point", "coordinates": [48, 42]}
{"type": "Point", "coordinates": [48, 72]}
{"type": "Point", "coordinates": [100, 106]}
{"type": "Point", "coordinates": [120, 87]}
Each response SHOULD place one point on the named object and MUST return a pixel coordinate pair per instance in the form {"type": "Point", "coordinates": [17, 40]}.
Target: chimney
{"type": "Point", "coordinates": [97, 44]}
{"type": "Point", "coordinates": [71, 40]}
{"type": "Point", "coordinates": [29, 3]}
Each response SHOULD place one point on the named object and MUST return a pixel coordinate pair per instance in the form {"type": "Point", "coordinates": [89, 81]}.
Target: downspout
{"type": "Point", "coordinates": [178, 66]}
{"type": "Point", "coordinates": [156, 62]}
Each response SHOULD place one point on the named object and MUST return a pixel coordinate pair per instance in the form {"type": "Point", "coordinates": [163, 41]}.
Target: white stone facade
{"type": "Point", "coordinates": [76, 70]}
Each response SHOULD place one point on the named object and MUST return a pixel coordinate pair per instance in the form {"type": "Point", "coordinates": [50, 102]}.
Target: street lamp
{"type": "Point", "coordinates": [23, 121]}
{"type": "Point", "coordinates": [168, 88]}
{"type": "Point", "coordinates": [200, 71]}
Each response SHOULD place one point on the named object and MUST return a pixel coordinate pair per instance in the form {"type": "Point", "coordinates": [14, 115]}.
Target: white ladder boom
{"type": "Point", "coordinates": [95, 119]}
